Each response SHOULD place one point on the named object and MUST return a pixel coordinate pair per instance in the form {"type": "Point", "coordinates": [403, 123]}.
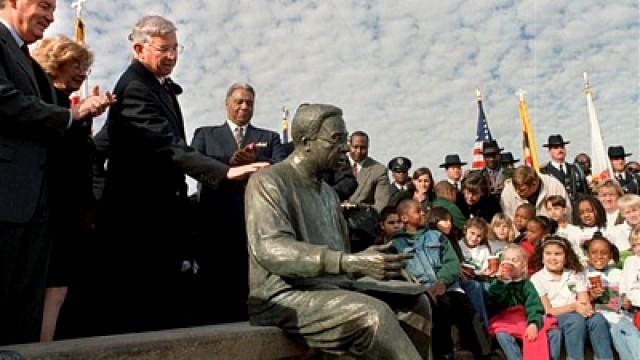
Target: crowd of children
{"type": "Point", "coordinates": [540, 285]}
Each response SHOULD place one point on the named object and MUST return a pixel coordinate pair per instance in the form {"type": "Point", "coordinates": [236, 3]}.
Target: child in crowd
{"type": "Point", "coordinates": [604, 292]}
{"type": "Point", "coordinates": [590, 217]}
{"type": "Point", "coordinates": [562, 287]}
{"type": "Point", "coordinates": [519, 311]}
{"type": "Point", "coordinates": [630, 282]}
{"type": "Point", "coordinates": [608, 192]}
{"type": "Point", "coordinates": [389, 224]}
{"type": "Point", "coordinates": [557, 210]}
{"type": "Point", "coordinates": [475, 268]}
{"type": "Point", "coordinates": [537, 228]}
{"type": "Point", "coordinates": [446, 198]}
{"type": "Point", "coordinates": [436, 265]}
{"type": "Point", "coordinates": [439, 218]}
{"type": "Point", "coordinates": [524, 212]}
{"type": "Point", "coordinates": [501, 233]}
{"type": "Point", "coordinates": [629, 206]}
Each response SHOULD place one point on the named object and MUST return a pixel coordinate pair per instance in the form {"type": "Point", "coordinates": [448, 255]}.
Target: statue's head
{"type": "Point", "coordinates": [320, 133]}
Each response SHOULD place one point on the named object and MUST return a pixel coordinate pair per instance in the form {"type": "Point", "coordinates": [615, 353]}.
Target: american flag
{"type": "Point", "coordinates": [482, 134]}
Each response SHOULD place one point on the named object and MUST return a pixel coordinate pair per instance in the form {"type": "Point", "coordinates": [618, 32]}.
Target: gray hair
{"type": "Point", "coordinates": [309, 119]}
{"type": "Point", "coordinates": [149, 26]}
{"type": "Point", "coordinates": [240, 85]}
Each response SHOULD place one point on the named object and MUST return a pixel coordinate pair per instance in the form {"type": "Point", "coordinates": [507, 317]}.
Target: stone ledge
{"type": "Point", "coordinates": [225, 341]}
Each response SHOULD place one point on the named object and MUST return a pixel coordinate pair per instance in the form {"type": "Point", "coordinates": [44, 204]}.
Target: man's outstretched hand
{"type": "Point", "coordinates": [374, 262]}
{"type": "Point", "coordinates": [244, 171]}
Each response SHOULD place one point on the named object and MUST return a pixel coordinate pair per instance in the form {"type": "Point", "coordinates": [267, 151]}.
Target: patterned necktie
{"type": "Point", "coordinates": [238, 134]}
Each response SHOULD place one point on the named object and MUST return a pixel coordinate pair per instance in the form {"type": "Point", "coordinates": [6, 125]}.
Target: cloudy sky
{"type": "Point", "coordinates": [403, 71]}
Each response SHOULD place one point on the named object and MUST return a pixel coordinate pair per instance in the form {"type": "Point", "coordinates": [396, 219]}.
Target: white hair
{"type": "Point", "coordinates": [149, 26]}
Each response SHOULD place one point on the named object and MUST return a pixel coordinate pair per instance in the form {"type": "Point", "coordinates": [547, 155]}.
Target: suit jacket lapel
{"type": "Point", "coordinates": [18, 56]}
{"type": "Point", "coordinates": [229, 141]}
{"type": "Point", "coordinates": [364, 174]}
{"type": "Point", "coordinates": [171, 108]}
{"type": "Point", "coordinates": [250, 136]}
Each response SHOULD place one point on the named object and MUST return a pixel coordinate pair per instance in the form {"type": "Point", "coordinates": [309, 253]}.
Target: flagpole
{"type": "Point", "coordinates": [78, 5]}
{"type": "Point", "coordinates": [528, 138]}
{"type": "Point", "coordinates": [285, 125]}
{"type": "Point", "coordinates": [600, 163]}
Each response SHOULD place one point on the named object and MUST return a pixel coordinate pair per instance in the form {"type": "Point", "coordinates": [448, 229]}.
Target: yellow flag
{"type": "Point", "coordinates": [79, 30]}
{"type": "Point", "coordinates": [530, 154]}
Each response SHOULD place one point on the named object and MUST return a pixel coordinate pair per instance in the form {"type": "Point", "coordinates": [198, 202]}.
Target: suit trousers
{"type": "Point", "coordinates": [24, 258]}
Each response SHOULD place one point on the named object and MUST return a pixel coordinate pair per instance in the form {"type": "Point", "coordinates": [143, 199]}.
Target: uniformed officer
{"type": "Point", "coordinates": [399, 167]}
{"type": "Point", "coordinates": [453, 166]}
{"type": "Point", "coordinates": [629, 182]}
{"type": "Point", "coordinates": [508, 161]}
{"type": "Point", "coordinates": [569, 175]}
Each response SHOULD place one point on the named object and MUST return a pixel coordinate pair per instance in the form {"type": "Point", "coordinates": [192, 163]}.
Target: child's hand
{"type": "Point", "coordinates": [439, 288]}
{"type": "Point", "coordinates": [467, 273]}
{"type": "Point", "coordinates": [584, 309]}
{"type": "Point", "coordinates": [595, 293]}
{"type": "Point", "coordinates": [487, 272]}
{"type": "Point", "coordinates": [626, 303]}
{"type": "Point", "coordinates": [531, 333]}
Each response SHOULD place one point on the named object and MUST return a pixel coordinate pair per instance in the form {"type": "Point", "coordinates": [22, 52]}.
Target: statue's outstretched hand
{"type": "Point", "coordinates": [374, 262]}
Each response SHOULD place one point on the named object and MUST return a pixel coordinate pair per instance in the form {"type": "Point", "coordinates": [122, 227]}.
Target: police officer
{"type": "Point", "coordinates": [629, 182]}
{"type": "Point", "coordinates": [508, 161]}
{"type": "Point", "coordinates": [399, 167]}
{"type": "Point", "coordinates": [453, 166]}
{"type": "Point", "coordinates": [569, 175]}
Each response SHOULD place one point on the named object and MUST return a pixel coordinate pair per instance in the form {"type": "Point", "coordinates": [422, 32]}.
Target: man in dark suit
{"type": "Point", "coordinates": [399, 167]}
{"type": "Point", "coordinates": [629, 181]}
{"type": "Point", "coordinates": [29, 120]}
{"type": "Point", "coordinates": [373, 181]}
{"type": "Point", "coordinates": [144, 215]}
{"type": "Point", "coordinates": [569, 175]}
{"type": "Point", "coordinates": [221, 208]}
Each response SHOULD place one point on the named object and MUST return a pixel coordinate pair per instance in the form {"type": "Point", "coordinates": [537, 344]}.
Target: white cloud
{"type": "Point", "coordinates": [405, 72]}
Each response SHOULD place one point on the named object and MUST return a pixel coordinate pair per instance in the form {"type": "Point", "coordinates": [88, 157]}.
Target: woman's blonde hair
{"type": "Point", "coordinates": [501, 219]}
{"type": "Point", "coordinates": [53, 53]}
{"type": "Point", "coordinates": [634, 234]}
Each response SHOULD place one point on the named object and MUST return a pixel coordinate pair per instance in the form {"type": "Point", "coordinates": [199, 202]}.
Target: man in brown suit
{"type": "Point", "coordinates": [373, 181]}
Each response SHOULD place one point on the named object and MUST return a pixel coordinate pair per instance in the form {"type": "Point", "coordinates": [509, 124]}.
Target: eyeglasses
{"type": "Point", "coordinates": [634, 170]}
{"type": "Point", "coordinates": [335, 139]}
{"type": "Point", "coordinates": [80, 69]}
{"type": "Point", "coordinates": [178, 49]}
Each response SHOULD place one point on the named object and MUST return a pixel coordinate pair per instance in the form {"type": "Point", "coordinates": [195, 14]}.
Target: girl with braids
{"type": "Point", "coordinates": [605, 295]}
{"type": "Point", "coordinates": [537, 228]}
{"type": "Point", "coordinates": [563, 291]}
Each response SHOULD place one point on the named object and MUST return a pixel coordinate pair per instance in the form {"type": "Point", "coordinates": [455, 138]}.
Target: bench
{"type": "Point", "coordinates": [225, 341]}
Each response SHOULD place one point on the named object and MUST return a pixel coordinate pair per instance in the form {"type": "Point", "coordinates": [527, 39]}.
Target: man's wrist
{"type": "Point", "coordinates": [333, 262]}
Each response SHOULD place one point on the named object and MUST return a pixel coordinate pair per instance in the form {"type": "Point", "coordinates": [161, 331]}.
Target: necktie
{"type": "Point", "coordinates": [620, 178]}
{"type": "Point", "coordinates": [562, 169]}
{"type": "Point", "coordinates": [455, 185]}
{"type": "Point", "coordinates": [27, 54]}
{"type": "Point", "coordinates": [355, 169]}
{"type": "Point", "coordinates": [238, 134]}
{"type": "Point", "coordinates": [167, 87]}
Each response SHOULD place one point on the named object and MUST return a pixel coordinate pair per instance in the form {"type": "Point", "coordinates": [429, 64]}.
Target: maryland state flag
{"type": "Point", "coordinates": [79, 30]}
{"type": "Point", "coordinates": [529, 152]}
